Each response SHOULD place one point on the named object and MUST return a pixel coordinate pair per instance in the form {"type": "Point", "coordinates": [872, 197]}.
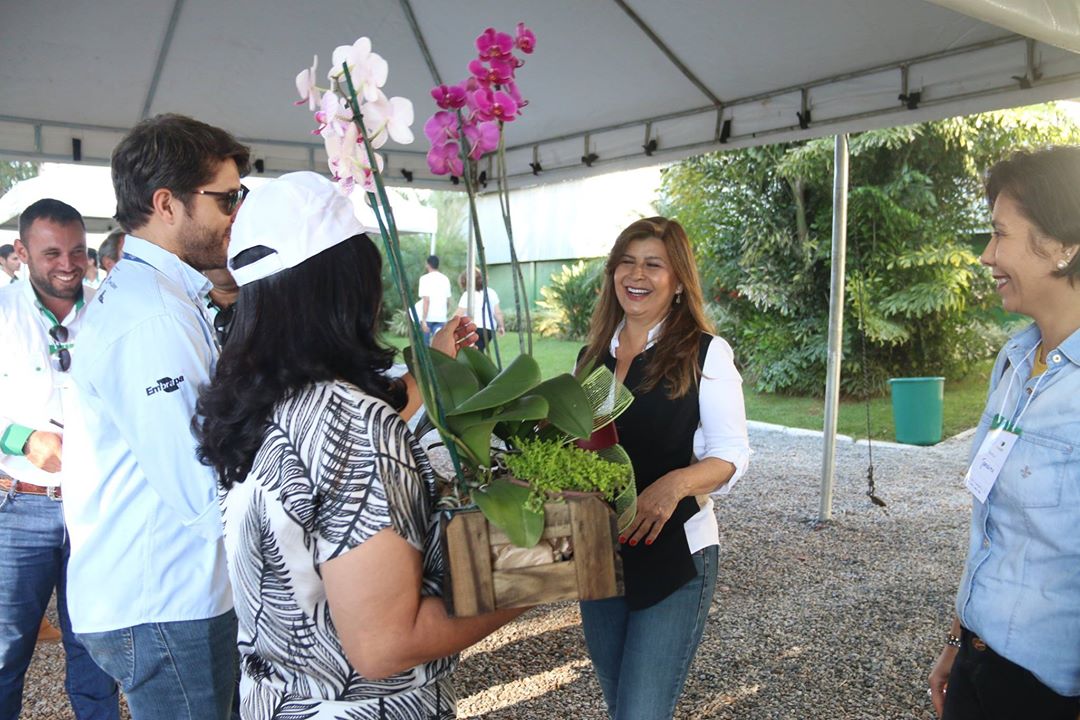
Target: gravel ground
{"type": "Point", "coordinates": [842, 621]}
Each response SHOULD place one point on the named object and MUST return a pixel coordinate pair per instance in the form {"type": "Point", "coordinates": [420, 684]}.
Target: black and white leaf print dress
{"type": "Point", "coordinates": [336, 466]}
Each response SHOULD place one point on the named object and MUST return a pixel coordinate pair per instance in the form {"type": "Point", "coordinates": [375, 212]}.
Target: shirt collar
{"type": "Point", "coordinates": [195, 283]}
{"type": "Point", "coordinates": [654, 333]}
{"type": "Point", "coordinates": [1020, 346]}
{"type": "Point", "coordinates": [28, 290]}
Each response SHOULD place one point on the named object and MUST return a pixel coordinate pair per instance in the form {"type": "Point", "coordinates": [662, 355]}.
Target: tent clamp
{"type": "Point", "coordinates": [906, 96]}
{"type": "Point", "coordinates": [589, 157]}
{"type": "Point", "coordinates": [724, 131]}
{"type": "Point", "coordinates": [1034, 72]}
{"type": "Point", "coordinates": [651, 143]}
{"type": "Point", "coordinates": [804, 114]}
{"type": "Point", "coordinates": [537, 168]}
{"type": "Point", "coordinates": [407, 174]}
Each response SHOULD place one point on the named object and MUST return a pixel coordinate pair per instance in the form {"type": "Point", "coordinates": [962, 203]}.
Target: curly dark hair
{"type": "Point", "coordinates": [312, 323]}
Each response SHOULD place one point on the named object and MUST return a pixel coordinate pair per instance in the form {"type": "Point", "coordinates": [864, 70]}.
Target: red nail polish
{"type": "Point", "coordinates": [622, 539]}
{"type": "Point", "coordinates": [633, 543]}
{"type": "Point", "coordinates": [648, 541]}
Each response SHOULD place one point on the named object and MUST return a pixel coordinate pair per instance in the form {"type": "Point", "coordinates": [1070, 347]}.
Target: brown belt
{"type": "Point", "coordinates": [50, 491]}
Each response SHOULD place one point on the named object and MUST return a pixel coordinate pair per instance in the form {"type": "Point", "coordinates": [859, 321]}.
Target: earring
{"type": "Point", "coordinates": [1062, 264]}
{"type": "Point", "coordinates": [678, 298]}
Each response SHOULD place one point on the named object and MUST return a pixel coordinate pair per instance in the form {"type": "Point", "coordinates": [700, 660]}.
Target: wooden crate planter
{"type": "Point", "coordinates": [594, 572]}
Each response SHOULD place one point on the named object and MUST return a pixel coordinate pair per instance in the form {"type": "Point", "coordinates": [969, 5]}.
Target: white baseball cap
{"type": "Point", "coordinates": [296, 216]}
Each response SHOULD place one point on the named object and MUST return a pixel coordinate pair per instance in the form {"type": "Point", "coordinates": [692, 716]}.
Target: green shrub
{"type": "Point", "coordinates": [567, 302]}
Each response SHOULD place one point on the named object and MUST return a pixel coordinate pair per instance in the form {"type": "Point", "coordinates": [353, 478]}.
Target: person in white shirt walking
{"type": "Point", "coordinates": [147, 570]}
{"type": "Point", "coordinates": [434, 295]}
{"type": "Point", "coordinates": [39, 321]}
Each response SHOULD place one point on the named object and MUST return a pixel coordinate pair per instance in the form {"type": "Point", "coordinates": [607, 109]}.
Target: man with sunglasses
{"type": "Point", "coordinates": [39, 320]}
{"type": "Point", "coordinates": [147, 570]}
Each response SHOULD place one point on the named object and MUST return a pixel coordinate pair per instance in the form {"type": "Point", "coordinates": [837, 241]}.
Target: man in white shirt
{"type": "Point", "coordinates": [434, 294]}
{"type": "Point", "coordinates": [9, 263]}
{"type": "Point", "coordinates": [39, 322]}
{"type": "Point", "coordinates": [151, 595]}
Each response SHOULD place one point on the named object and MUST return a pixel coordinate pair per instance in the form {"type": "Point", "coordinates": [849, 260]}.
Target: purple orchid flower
{"type": "Point", "coordinates": [449, 97]}
{"type": "Point", "coordinates": [494, 44]}
{"type": "Point", "coordinates": [525, 40]}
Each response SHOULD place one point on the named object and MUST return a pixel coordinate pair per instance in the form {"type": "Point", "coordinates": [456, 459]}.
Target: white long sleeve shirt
{"type": "Point", "coordinates": [142, 513]}
{"type": "Point", "coordinates": [722, 432]}
{"type": "Point", "coordinates": [32, 386]}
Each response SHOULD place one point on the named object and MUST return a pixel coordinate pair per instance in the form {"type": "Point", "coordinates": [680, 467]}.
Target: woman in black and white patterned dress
{"type": "Point", "coordinates": [326, 497]}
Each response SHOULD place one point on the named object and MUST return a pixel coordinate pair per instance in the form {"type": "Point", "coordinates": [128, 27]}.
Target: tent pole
{"type": "Point", "coordinates": [836, 323]}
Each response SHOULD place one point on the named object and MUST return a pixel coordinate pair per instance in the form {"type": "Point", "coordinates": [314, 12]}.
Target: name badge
{"type": "Point", "coordinates": [987, 464]}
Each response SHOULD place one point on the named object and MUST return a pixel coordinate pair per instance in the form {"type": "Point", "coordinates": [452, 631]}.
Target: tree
{"type": "Point", "coordinates": [761, 221]}
{"type": "Point", "coordinates": [13, 171]}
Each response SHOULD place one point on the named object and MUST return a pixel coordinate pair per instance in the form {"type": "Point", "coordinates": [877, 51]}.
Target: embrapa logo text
{"type": "Point", "coordinates": [165, 384]}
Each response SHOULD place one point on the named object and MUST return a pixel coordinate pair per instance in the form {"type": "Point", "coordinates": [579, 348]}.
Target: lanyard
{"type": "Point", "coordinates": [999, 418]}
{"type": "Point", "coordinates": [208, 332]}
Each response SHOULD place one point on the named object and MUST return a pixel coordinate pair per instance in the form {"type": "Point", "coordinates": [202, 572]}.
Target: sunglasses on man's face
{"type": "Point", "coordinates": [59, 334]}
{"type": "Point", "coordinates": [228, 200]}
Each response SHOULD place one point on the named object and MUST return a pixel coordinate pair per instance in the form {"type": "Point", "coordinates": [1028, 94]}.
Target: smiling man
{"type": "Point", "coordinates": [147, 562]}
{"type": "Point", "coordinates": [39, 321]}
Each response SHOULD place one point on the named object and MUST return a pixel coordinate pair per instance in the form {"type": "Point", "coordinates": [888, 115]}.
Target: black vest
{"type": "Point", "coordinates": [658, 435]}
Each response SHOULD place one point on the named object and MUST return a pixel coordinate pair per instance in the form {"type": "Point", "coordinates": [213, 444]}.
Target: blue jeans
{"type": "Point", "coordinates": [185, 670]}
{"type": "Point", "coordinates": [641, 657]}
{"type": "Point", "coordinates": [433, 327]}
{"type": "Point", "coordinates": [33, 560]}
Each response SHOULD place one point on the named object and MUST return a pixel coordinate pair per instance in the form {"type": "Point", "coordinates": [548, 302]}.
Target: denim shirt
{"type": "Point", "coordinates": [1021, 585]}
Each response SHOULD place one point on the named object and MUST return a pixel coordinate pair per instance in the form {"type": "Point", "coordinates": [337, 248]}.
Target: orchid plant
{"type": "Point", "coordinates": [354, 124]}
{"type": "Point", "coordinates": [355, 117]}
{"type": "Point", "coordinates": [470, 124]}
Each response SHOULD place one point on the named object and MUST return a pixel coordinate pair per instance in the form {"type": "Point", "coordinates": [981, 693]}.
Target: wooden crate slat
{"type": "Point", "coordinates": [535, 585]}
{"type": "Point", "coordinates": [594, 560]}
{"type": "Point", "coordinates": [469, 556]}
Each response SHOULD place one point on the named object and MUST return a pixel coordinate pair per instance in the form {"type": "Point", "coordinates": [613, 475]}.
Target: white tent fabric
{"type": "Point", "coordinates": [1056, 22]}
{"type": "Point", "coordinates": [606, 78]}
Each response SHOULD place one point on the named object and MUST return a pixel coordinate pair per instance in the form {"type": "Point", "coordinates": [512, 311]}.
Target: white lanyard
{"type": "Point", "coordinates": [999, 418]}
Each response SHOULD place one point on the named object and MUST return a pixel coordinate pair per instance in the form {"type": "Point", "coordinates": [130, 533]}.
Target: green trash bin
{"type": "Point", "coordinates": [917, 409]}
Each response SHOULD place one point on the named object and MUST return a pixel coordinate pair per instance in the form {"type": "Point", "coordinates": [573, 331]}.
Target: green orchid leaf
{"type": "Point", "coordinates": [480, 364]}
{"type": "Point", "coordinates": [457, 384]}
{"type": "Point", "coordinates": [503, 504]}
{"type": "Point", "coordinates": [530, 407]}
{"type": "Point", "coordinates": [516, 379]}
{"type": "Point", "coordinates": [568, 405]}
{"type": "Point", "coordinates": [473, 432]}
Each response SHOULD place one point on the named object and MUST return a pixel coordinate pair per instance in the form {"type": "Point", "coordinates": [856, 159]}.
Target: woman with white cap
{"type": "Point", "coordinates": [327, 499]}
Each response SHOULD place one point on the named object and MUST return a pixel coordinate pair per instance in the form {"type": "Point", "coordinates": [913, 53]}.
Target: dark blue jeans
{"type": "Point", "coordinates": [33, 560]}
{"type": "Point", "coordinates": [184, 670]}
{"type": "Point", "coordinates": [641, 657]}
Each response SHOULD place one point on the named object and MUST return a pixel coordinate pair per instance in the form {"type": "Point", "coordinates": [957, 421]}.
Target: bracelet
{"type": "Point", "coordinates": [952, 640]}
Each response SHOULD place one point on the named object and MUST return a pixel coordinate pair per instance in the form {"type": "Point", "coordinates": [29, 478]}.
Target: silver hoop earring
{"type": "Point", "coordinates": [1062, 264]}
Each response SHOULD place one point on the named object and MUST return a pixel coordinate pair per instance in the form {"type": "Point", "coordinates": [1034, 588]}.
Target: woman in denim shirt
{"type": "Point", "coordinates": [1014, 647]}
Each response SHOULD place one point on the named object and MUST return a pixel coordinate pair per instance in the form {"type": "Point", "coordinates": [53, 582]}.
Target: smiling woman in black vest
{"type": "Point", "coordinates": [685, 433]}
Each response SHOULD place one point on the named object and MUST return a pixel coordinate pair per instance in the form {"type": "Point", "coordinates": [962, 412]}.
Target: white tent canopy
{"type": "Point", "coordinates": [607, 76]}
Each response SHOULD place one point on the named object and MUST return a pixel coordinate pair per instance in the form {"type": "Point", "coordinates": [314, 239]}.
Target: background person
{"type": "Point", "coordinates": [1014, 647]}
{"type": "Point", "coordinates": [327, 498]}
{"type": "Point", "coordinates": [110, 250]}
{"type": "Point", "coordinates": [147, 561]}
{"type": "Point", "coordinates": [485, 306]}
{"type": "Point", "coordinates": [434, 296]}
{"type": "Point", "coordinates": [92, 278]}
{"type": "Point", "coordinates": [9, 263]}
{"type": "Point", "coordinates": [649, 328]}
{"type": "Point", "coordinates": [40, 320]}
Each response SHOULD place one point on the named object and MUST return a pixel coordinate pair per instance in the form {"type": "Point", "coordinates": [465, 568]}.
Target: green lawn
{"type": "Point", "coordinates": [964, 399]}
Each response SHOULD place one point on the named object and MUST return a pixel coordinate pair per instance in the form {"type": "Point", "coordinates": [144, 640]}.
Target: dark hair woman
{"type": "Point", "coordinates": [650, 329]}
{"type": "Point", "coordinates": [327, 498]}
{"type": "Point", "coordinates": [1014, 646]}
